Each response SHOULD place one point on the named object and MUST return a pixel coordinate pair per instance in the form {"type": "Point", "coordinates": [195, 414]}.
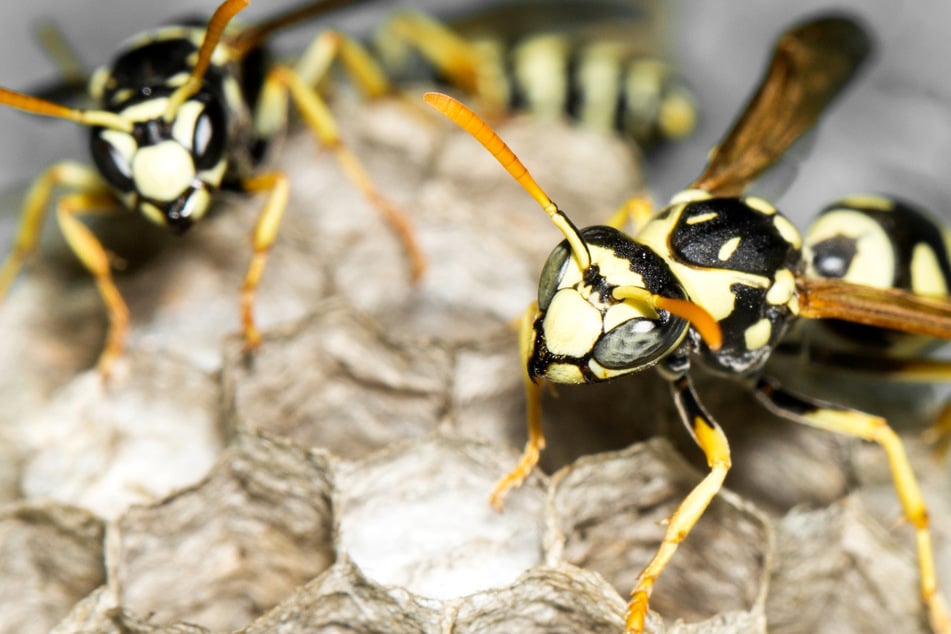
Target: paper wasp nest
{"type": "Point", "coordinates": [337, 479]}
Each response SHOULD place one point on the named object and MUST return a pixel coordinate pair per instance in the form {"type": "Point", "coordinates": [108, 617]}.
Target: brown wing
{"type": "Point", "coordinates": [883, 308]}
{"type": "Point", "coordinates": [811, 64]}
{"type": "Point", "coordinates": [253, 36]}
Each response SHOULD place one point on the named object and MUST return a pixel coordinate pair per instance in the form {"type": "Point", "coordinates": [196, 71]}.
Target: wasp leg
{"type": "Point", "coordinates": [321, 121]}
{"type": "Point", "coordinates": [921, 370]}
{"type": "Point", "coordinates": [711, 439]}
{"type": "Point", "coordinates": [637, 210]}
{"type": "Point", "coordinates": [262, 238]}
{"type": "Point", "coordinates": [906, 369]}
{"type": "Point", "coordinates": [938, 434]}
{"type": "Point", "coordinates": [876, 429]}
{"type": "Point", "coordinates": [67, 174]}
{"type": "Point", "coordinates": [53, 41]}
{"type": "Point", "coordinates": [314, 65]}
{"type": "Point", "coordinates": [459, 61]}
{"type": "Point", "coordinates": [94, 257]}
{"type": "Point", "coordinates": [93, 197]}
{"type": "Point", "coordinates": [533, 414]}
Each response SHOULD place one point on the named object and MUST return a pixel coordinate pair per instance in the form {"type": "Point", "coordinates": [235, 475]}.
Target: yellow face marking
{"type": "Point", "coordinates": [616, 270]}
{"type": "Point", "coordinates": [620, 313]}
{"type": "Point", "coordinates": [162, 171]}
{"type": "Point", "coordinates": [122, 142]}
{"type": "Point", "coordinates": [604, 373]}
{"type": "Point", "coordinates": [198, 204]}
{"type": "Point", "coordinates": [787, 230]}
{"type": "Point", "coordinates": [183, 129]}
{"type": "Point", "coordinates": [146, 110]}
{"type": "Point", "coordinates": [926, 277]}
{"type": "Point", "coordinates": [757, 335]}
{"type": "Point", "coordinates": [728, 249]}
{"type": "Point", "coordinates": [153, 213]}
{"type": "Point", "coordinates": [783, 288]}
{"type": "Point", "coordinates": [214, 175]}
{"type": "Point", "coordinates": [563, 373]}
{"type": "Point", "coordinates": [571, 325]}
{"type": "Point", "coordinates": [696, 220]}
{"type": "Point", "coordinates": [760, 205]}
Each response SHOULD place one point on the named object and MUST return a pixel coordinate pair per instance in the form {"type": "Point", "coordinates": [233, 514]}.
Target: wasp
{"type": "Point", "coordinates": [184, 112]}
{"type": "Point", "coordinates": [595, 62]}
{"type": "Point", "coordinates": [719, 277]}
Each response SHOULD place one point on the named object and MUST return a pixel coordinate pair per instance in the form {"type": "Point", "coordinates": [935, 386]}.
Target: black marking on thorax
{"type": "Point", "coordinates": [761, 250]}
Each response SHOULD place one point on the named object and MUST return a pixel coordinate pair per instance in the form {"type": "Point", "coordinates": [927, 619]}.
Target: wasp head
{"type": "Point", "coordinates": [598, 322]}
{"type": "Point", "coordinates": [165, 167]}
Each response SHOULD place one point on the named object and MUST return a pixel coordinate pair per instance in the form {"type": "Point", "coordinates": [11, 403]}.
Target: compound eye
{"type": "Point", "coordinates": [208, 140]}
{"type": "Point", "coordinates": [552, 274]}
{"type": "Point", "coordinates": [112, 162]}
{"type": "Point", "coordinates": [638, 342]}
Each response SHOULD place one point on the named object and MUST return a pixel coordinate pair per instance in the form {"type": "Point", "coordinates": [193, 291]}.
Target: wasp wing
{"type": "Point", "coordinates": [890, 308]}
{"type": "Point", "coordinates": [811, 63]}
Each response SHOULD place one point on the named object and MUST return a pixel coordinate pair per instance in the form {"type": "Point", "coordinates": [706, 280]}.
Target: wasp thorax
{"type": "Point", "coordinates": [585, 332]}
{"type": "Point", "coordinates": [164, 168]}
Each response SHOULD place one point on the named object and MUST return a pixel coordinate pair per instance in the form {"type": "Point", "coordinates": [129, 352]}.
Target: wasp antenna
{"type": "Point", "coordinates": [697, 315]}
{"type": "Point", "coordinates": [472, 123]}
{"type": "Point", "coordinates": [35, 105]}
{"type": "Point", "coordinates": [702, 321]}
{"type": "Point", "coordinates": [213, 32]}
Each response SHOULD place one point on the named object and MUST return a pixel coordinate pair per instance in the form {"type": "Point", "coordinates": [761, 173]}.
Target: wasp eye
{"type": "Point", "coordinates": [112, 162]}
{"type": "Point", "coordinates": [638, 342]}
{"type": "Point", "coordinates": [552, 273]}
{"type": "Point", "coordinates": [208, 138]}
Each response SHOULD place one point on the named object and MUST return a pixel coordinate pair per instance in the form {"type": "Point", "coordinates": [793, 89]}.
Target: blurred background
{"type": "Point", "coordinates": [891, 132]}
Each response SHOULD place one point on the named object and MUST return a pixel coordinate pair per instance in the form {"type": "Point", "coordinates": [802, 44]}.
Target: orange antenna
{"type": "Point", "coordinates": [491, 141]}
{"type": "Point", "coordinates": [35, 105]}
{"type": "Point", "coordinates": [697, 315]}
{"type": "Point", "coordinates": [213, 32]}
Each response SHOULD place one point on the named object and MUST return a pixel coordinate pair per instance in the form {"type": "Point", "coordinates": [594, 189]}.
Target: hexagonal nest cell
{"type": "Point", "coordinates": [337, 479]}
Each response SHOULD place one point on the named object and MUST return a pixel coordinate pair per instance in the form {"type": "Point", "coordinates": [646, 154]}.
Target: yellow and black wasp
{"type": "Point", "coordinates": [596, 62]}
{"type": "Point", "coordinates": [182, 112]}
{"type": "Point", "coordinates": [720, 277]}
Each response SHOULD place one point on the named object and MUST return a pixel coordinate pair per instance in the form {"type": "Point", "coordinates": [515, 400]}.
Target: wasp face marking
{"type": "Point", "coordinates": [165, 169]}
{"type": "Point", "coordinates": [585, 334]}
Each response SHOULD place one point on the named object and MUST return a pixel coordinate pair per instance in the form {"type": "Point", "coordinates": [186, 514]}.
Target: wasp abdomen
{"type": "Point", "coordinates": [879, 242]}
{"type": "Point", "coordinates": [882, 243]}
